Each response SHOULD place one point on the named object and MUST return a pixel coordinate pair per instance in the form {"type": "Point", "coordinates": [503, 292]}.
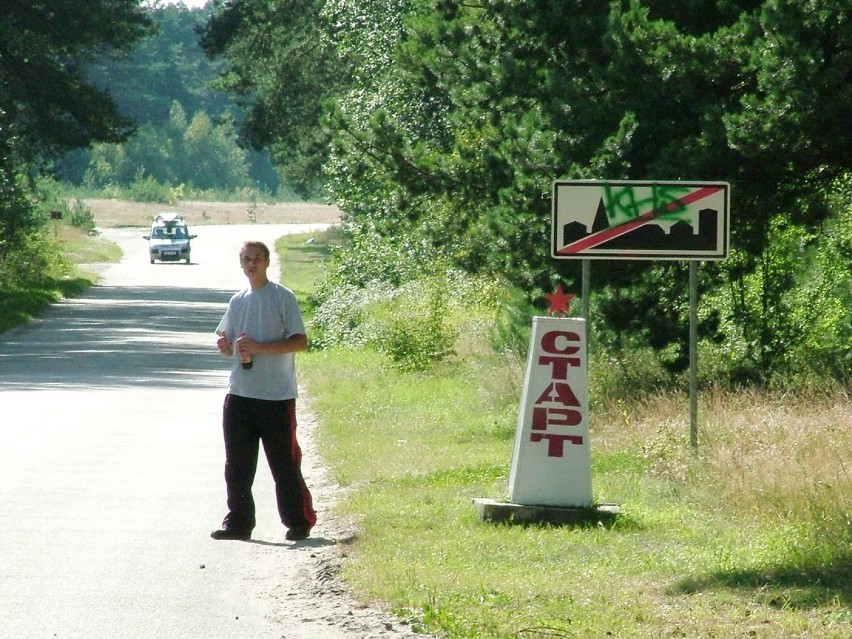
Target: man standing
{"type": "Point", "coordinates": [262, 329]}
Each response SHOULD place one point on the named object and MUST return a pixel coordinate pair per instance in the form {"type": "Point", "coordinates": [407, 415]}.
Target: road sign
{"type": "Point", "coordinates": [640, 220]}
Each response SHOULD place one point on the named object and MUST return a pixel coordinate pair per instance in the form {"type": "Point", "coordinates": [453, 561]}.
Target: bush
{"type": "Point", "coordinates": [35, 260]}
{"type": "Point", "coordinates": [147, 189]}
{"type": "Point", "coordinates": [413, 326]}
{"type": "Point", "coordinates": [786, 324]}
{"type": "Point", "coordinates": [364, 281]}
{"type": "Point", "coordinates": [410, 324]}
{"type": "Point", "coordinates": [416, 323]}
{"type": "Point", "coordinates": [81, 217]}
{"type": "Point", "coordinates": [339, 315]}
{"type": "Point", "coordinates": [511, 330]}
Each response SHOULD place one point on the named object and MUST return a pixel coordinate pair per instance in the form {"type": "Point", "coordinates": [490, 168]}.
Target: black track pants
{"type": "Point", "coordinates": [247, 422]}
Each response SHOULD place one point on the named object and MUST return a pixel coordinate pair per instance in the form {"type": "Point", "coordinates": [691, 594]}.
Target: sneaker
{"type": "Point", "coordinates": [297, 534]}
{"type": "Point", "coordinates": [227, 533]}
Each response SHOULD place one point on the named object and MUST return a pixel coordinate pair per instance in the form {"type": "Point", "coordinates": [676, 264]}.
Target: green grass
{"type": "Point", "coordinates": [429, 413]}
{"type": "Point", "coordinates": [300, 256]}
{"type": "Point", "coordinates": [21, 303]}
{"type": "Point", "coordinates": [81, 248]}
{"type": "Point", "coordinates": [750, 536]}
{"type": "Point", "coordinates": [415, 452]}
{"type": "Point", "coordinates": [18, 305]}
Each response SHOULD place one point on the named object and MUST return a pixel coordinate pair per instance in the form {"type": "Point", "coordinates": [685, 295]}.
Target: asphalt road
{"type": "Point", "coordinates": [111, 465]}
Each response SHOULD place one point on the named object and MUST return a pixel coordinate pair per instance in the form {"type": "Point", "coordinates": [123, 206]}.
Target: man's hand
{"type": "Point", "coordinates": [246, 344]}
{"type": "Point", "coordinates": [224, 345]}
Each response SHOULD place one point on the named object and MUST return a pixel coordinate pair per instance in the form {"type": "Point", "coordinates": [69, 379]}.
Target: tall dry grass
{"type": "Point", "coordinates": [765, 456]}
{"type": "Point", "coordinates": [785, 457]}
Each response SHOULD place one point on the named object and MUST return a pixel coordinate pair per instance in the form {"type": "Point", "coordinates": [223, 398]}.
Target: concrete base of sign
{"type": "Point", "coordinates": [502, 512]}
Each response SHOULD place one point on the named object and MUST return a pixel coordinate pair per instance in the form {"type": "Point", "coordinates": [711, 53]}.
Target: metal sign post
{"type": "Point", "coordinates": [693, 353]}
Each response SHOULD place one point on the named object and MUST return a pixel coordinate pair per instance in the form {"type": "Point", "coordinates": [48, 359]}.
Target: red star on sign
{"type": "Point", "coordinates": [560, 302]}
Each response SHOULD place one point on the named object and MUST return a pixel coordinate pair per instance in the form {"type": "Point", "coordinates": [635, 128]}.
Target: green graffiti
{"type": "Point", "coordinates": [623, 203]}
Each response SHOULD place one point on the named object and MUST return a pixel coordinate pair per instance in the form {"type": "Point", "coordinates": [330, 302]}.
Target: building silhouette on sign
{"type": "Point", "coordinates": [651, 236]}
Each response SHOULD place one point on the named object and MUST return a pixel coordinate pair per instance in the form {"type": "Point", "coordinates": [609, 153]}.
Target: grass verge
{"type": "Point", "coordinates": [750, 536]}
{"type": "Point", "coordinates": [17, 305]}
{"type": "Point", "coordinates": [21, 303]}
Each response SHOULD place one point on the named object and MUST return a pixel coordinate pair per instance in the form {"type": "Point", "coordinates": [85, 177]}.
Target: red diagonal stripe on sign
{"type": "Point", "coordinates": [604, 236]}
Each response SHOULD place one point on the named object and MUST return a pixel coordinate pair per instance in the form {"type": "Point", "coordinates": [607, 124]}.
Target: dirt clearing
{"type": "Point", "coordinates": [110, 213]}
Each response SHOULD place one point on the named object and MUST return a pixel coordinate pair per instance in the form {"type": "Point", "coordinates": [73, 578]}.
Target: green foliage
{"type": "Point", "coordinates": [786, 322]}
{"type": "Point", "coordinates": [81, 217]}
{"type": "Point", "coordinates": [52, 38]}
{"type": "Point", "coordinates": [412, 325]}
{"type": "Point", "coordinates": [186, 132]}
{"type": "Point", "coordinates": [368, 255]}
{"type": "Point", "coordinates": [823, 299]}
{"type": "Point", "coordinates": [30, 257]}
{"type": "Point", "coordinates": [33, 261]}
{"type": "Point", "coordinates": [193, 152]}
{"type": "Point", "coordinates": [512, 327]}
{"type": "Point", "coordinates": [17, 215]}
{"type": "Point", "coordinates": [416, 325]}
{"type": "Point", "coordinates": [165, 68]}
{"type": "Point", "coordinates": [52, 199]}
{"type": "Point", "coordinates": [447, 122]}
{"type": "Point", "coordinates": [145, 188]}
{"type": "Point", "coordinates": [794, 120]}
{"type": "Point", "coordinates": [413, 308]}
{"type": "Point", "coordinates": [283, 77]}
{"type": "Point", "coordinates": [364, 271]}
{"type": "Point", "coordinates": [48, 105]}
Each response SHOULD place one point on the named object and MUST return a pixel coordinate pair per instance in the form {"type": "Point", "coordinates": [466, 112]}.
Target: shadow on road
{"type": "Point", "coordinates": [310, 542]}
{"type": "Point", "coordinates": [115, 337]}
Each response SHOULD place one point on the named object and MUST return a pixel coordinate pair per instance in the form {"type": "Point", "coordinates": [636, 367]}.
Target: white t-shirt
{"type": "Point", "coordinates": [267, 314]}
